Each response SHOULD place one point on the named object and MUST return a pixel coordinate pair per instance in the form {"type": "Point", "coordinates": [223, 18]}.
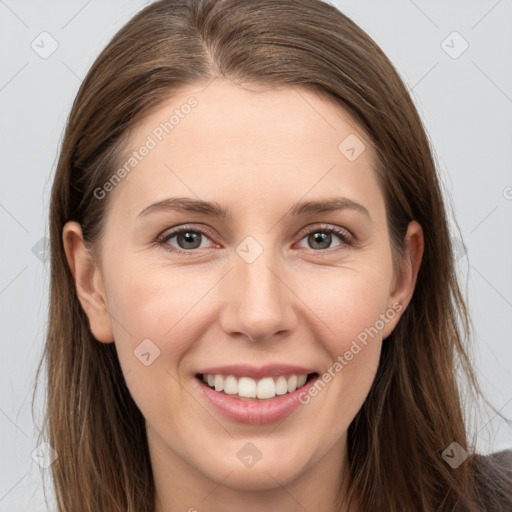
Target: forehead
{"type": "Point", "coordinates": [244, 143]}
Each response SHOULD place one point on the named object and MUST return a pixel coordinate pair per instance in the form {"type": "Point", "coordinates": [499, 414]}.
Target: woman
{"type": "Point", "coordinates": [253, 294]}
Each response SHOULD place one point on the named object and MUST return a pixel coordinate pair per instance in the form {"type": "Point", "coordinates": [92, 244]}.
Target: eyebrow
{"type": "Point", "coordinates": [213, 209]}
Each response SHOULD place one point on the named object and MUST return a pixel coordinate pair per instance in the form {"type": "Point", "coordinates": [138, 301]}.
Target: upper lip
{"type": "Point", "coordinates": [244, 370]}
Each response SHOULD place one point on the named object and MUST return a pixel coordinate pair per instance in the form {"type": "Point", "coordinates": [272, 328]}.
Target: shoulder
{"type": "Point", "coordinates": [493, 480]}
{"type": "Point", "coordinates": [503, 459]}
{"type": "Point", "coordinates": [500, 461]}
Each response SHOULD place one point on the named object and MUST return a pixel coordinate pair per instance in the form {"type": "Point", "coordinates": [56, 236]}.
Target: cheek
{"type": "Point", "coordinates": [352, 308]}
{"type": "Point", "coordinates": [351, 305]}
{"type": "Point", "coordinates": [152, 302]}
{"type": "Point", "coordinates": [149, 311]}
{"type": "Point", "coordinates": [158, 311]}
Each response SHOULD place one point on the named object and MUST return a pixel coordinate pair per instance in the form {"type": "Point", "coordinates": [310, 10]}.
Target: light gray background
{"type": "Point", "coordinates": [466, 105]}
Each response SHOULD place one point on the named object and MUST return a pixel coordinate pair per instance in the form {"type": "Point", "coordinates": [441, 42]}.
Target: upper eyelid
{"type": "Point", "coordinates": [171, 232]}
{"type": "Point", "coordinates": [326, 227]}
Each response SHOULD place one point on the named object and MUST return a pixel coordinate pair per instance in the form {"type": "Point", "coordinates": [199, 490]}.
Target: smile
{"type": "Point", "coordinates": [249, 388]}
{"type": "Point", "coordinates": [254, 400]}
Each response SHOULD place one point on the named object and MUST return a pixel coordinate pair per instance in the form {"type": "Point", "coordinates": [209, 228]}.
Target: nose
{"type": "Point", "coordinates": [258, 301]}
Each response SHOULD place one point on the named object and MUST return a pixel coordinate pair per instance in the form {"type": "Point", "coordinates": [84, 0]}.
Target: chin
{"type": "Point", "coordinates": [259, 479]}
{"type": "Point", "coordinates": [266, 473]}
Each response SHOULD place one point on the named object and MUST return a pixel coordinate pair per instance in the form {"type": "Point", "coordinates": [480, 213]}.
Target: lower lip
{"type": "Point", "coordinates": [255, 413]}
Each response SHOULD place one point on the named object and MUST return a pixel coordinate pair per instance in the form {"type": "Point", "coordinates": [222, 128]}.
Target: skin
{"type": "Point", "coordinates": [255, 152]}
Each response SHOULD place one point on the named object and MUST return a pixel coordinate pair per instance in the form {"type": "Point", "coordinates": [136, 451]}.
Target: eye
{"type": "Point", "coordinates": [321, 238]}
{"type": "Point", "coordinates": [187, 239]}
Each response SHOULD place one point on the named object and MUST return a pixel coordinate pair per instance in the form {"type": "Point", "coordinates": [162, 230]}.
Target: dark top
{"type": "Point", "coordinates": [494, 480]}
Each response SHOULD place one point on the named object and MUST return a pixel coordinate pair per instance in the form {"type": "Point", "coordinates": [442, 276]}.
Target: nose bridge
{"type": "Point", "coordinates": [259, 304]}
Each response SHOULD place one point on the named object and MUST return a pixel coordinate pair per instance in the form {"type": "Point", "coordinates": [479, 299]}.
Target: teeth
{"type": "Point", "coordinates": [230, 385]}
{"type": "Point", "coordinates": [292, 383]}
{"type": "Point", "coordinates": [266, 388]}
{"type": "Point", "coordinates": [246, 387]}
{"type": "Point", "coordinates": [218, 382]}
{"type": "Point", "coordinates": [282, 386]}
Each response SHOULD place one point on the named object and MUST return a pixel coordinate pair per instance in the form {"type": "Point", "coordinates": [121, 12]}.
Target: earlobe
{"type": "Point", "coordinates": [88, 282]}
{"type": "Point", "coordinates": [405, 283]}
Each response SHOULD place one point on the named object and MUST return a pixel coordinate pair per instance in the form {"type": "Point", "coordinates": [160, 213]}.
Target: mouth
{"type": "Point", "coordinates": [247, 389]}
{"type": "Point", "coordinates": [257, 396]}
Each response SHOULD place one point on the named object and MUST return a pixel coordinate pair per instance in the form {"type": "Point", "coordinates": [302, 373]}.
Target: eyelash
{"type": "Point", "coordinates": [343, 234]}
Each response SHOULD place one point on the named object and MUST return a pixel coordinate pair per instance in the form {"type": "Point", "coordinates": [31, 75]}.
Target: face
{"type": "Point", "coordinates": [266, 291]}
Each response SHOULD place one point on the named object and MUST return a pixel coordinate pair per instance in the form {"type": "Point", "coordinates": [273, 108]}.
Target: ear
{"type": "Point", "coordinates": [88, 282]}
{"type": "Point", "coordinates": [403, 285]}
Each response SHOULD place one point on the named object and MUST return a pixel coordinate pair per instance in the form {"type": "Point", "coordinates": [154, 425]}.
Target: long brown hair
{"type": "Point", "coordinates": [414, 409]}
